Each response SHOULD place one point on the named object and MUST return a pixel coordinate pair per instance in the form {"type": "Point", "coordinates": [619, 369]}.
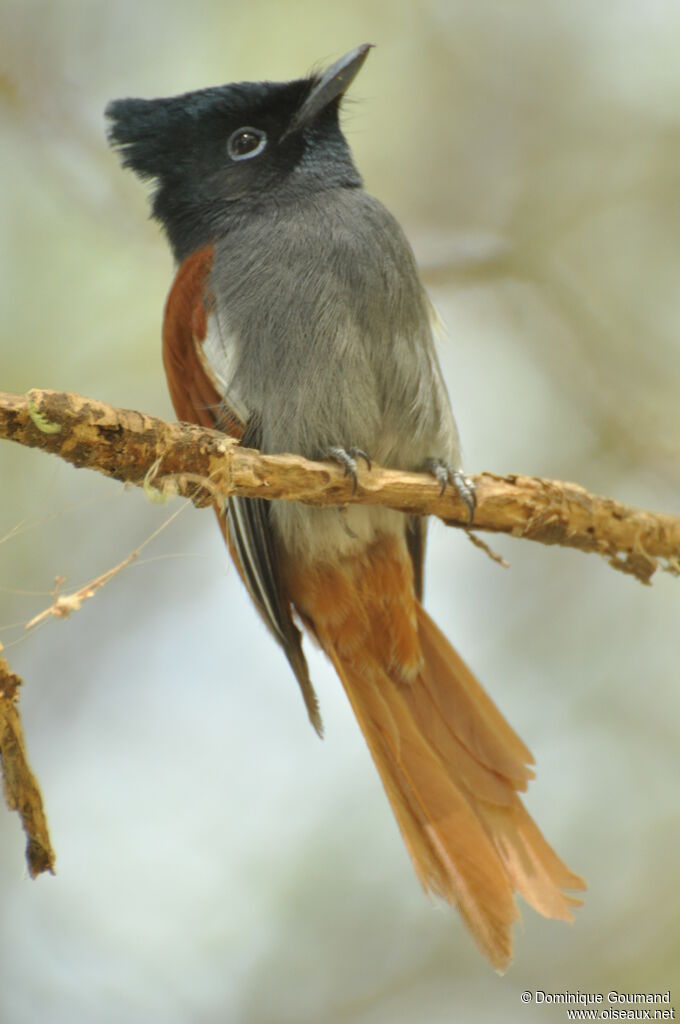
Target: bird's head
{"type": "Point", "coordinates": [216, 155]}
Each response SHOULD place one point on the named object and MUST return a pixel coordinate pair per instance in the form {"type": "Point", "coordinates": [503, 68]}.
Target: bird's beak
{"type": "Point", "coordinates": [334, 82]}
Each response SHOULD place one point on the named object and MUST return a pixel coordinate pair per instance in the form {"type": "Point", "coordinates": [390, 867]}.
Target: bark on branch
{"type": "Point", "coordinates": [201, 464]}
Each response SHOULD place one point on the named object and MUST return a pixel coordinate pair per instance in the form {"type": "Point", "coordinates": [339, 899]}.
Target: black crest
{"type": "Point", "coordinates": [216, 155]}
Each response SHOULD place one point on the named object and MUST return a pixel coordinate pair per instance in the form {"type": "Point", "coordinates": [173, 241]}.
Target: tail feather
{"type": "Point", "coordinates": [467, 710]}
{"type": "Point", "coordinates": [533, 867]}
{"type": "Point", "coordinates": [453, 856]}
{"type": "Point", "coordinates": [450, 763]}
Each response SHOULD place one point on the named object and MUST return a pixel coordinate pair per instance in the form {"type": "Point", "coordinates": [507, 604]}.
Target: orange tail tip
{"type": "Point", "coordinates": [450, 763]}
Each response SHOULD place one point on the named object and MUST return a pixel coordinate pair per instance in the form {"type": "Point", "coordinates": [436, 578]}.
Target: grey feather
{"type": "Point", "coordinates": [332, 342]}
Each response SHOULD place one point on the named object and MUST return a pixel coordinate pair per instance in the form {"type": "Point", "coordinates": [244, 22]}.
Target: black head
{"type": "Point", "coordinates": [219, 154]}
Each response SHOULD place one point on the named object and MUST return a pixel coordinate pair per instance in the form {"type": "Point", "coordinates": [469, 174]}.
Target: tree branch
{"type": "Point", "coordinates": [22, 792]}
{"type": "Point", "coordinates": [205, 465]}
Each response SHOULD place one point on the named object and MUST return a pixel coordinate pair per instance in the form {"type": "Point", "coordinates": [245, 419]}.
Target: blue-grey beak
{"type": "Point", "coordinates": [334, 82]}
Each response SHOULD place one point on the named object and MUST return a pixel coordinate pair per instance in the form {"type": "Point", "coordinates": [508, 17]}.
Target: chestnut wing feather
{"type": "Point", "coordinates": [196, 396]}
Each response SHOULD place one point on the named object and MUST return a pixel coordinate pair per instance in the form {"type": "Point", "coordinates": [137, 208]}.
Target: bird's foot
{"type": "Point", "coordinates": [444, 473]}
{"type": "Point", "coordinates": [347, 458]}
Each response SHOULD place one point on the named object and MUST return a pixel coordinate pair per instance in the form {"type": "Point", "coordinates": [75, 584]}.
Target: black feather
{"type": "Point", "coordinates": [180, 143]}
{"type": "Point", "coordinates": [251, 534]}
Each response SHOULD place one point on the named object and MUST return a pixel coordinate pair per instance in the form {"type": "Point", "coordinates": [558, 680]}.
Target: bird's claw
{"type": "Point", "coordinates": [347, 458]}
{"type": "Point", "coordinates": [444, 474]}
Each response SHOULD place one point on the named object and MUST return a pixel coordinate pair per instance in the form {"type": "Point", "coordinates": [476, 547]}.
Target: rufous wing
{"type": "Point", "coordinates": [199, 396]}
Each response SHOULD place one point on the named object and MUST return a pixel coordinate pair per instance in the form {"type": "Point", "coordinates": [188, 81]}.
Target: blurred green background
{"type": "Point", "coordinates": [215, 861]}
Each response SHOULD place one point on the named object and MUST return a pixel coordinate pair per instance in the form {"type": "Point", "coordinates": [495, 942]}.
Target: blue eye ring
{"type": "Point", "coordinates": [246, 143]}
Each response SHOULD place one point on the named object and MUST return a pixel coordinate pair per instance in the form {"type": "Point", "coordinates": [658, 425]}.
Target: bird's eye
{"type": "Point", "coordinates": [246, 143]}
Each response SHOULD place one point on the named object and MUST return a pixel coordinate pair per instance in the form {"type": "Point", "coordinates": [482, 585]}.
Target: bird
{"type": "Point", "coordinates": [297, 322]}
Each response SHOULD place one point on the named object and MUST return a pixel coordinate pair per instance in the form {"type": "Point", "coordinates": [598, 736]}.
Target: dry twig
{"type": "Point", "coordinates": [200, 464]}
{"type": "Point", "coordinates": [22, 792]}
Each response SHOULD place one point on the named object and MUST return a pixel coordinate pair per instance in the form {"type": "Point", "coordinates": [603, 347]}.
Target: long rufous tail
{"type": "Point", "coordinates": [450, 763]}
